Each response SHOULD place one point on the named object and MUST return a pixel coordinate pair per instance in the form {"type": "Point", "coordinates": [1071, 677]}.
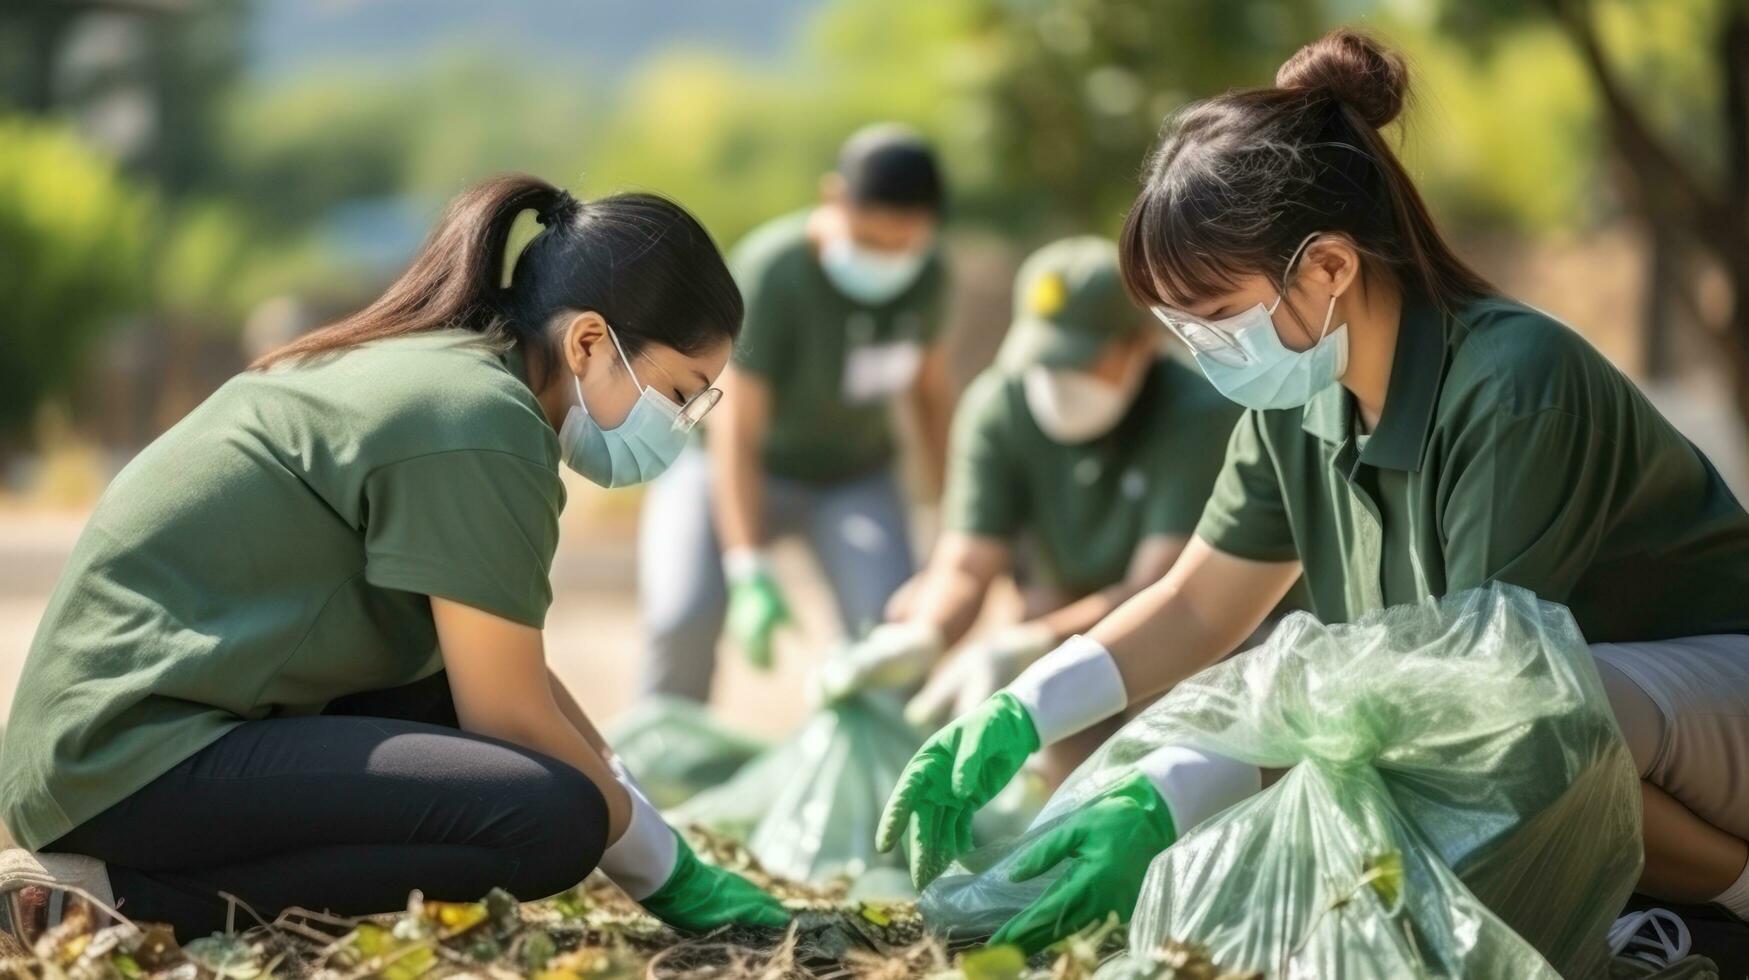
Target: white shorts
{"type": "Point", "coordinates": [1683, 706]}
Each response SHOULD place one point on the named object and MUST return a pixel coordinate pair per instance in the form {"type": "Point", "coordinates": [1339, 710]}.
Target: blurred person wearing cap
{"type": "Point", "coordinates": [844, 308]}
{"type": "Point", "coordinates": [1082, 445]}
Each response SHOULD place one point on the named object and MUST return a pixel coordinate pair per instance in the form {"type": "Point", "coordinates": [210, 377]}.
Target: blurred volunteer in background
{"type": "Point", "coordinates": [1082, 447]}
{"type": "Point", "coordinates": [296, 655]}
{"type": "Point", "coordinates": [1410, 433]}
{"type": "Point", "coordinates": [844, 306]}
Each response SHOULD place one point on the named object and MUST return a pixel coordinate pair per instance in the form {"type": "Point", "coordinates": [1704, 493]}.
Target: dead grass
{"type": "Point", "coordinates": [591, 932]}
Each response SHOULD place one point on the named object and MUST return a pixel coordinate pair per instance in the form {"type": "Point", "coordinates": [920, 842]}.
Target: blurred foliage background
{"type": "Point", "coordinates": [184, 183]}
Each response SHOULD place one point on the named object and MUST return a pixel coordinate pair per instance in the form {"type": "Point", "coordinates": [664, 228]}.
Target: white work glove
{"type": "Point", "coordinates": [893, 656]}
{"type": "Point", "coordinates": [979, 670]}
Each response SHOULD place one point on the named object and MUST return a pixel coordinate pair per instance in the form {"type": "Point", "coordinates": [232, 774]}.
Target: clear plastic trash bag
{"type": "Point", "coordinates": [1458, 802]}
{"type": "Point", "coordinates": [808, 808]}
{"type": "Point", "coordinates": [675, 748]}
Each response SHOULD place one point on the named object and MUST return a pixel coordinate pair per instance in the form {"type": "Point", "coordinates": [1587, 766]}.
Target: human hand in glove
{"type": "Point", "coordinates": [699, 897]}
{"type": "Point", "coordinates": [957, 771]}
{"type": "Point", "coordinates": [657, 869]}
{"type": "Point", "coordinates": [977, 671]}
{"type": "Point", "coordinates": [1105, 847]}
{"type": "Point", "coordinates": [756, 606]}
{"type": "Point", "coordinates": [893, 656]}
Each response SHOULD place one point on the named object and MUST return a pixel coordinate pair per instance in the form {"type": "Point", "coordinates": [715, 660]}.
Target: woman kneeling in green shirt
{"type": "Point", "coordinates": [1410, 433]}
{"type": "Point", "coordinates": [296, 655]}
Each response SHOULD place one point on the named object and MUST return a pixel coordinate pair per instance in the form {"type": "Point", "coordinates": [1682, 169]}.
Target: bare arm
{"type": "Point", "coordinates": [498, 676]}
{"type": "Point", "coordinates": [950, 590]}
{"type": "Point", "coordinates": [574, 714]}
{"type": "Point", "coordinates": [1153, 558]}
{"type": "Point", "coordinates": [1205, 607]}
{"type": "Point", "coordinates": [932, 405]}
{"type": "Point", "coordinates": [738, 429]}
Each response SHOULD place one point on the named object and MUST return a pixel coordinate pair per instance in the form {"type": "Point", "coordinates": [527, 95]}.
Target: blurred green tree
{"type": "Point", "coordinates": [1672, 84]}
{"type": "Point", "coordinates": [74, 232]}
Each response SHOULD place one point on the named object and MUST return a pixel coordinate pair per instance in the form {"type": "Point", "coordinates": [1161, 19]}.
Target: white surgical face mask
{"type": "Point", "coordinates": [1073, 406]}
{"type": "Point", "coordinates": [868, 276]}
{"type": "Point", "coordinates": [634, 451]}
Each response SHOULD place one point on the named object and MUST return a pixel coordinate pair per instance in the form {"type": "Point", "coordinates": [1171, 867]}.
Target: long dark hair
{"type": "Point", "coordinates": [641, 261]}
{"type": "Point", "coordinates": [1240, 180]}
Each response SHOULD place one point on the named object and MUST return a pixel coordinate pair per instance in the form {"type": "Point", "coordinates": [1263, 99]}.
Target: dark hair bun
{"type": "Point", "coordinates": [1356, 70]}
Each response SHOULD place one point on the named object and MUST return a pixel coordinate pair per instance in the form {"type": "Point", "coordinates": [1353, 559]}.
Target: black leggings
{"type": "Point", "coordinates": [347, 811]}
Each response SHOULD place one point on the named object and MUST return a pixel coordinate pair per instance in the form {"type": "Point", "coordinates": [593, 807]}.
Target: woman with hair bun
{"type": "Point", "coordinates": [1410, 432]}
{"type": "Point", "coordinates": [296, 656]}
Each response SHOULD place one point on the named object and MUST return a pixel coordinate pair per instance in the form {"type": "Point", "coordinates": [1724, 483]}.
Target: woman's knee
{"type": "Point", "coordinates": [1642, 723]}
{"type": "Point", "coordinates": [567, 832]}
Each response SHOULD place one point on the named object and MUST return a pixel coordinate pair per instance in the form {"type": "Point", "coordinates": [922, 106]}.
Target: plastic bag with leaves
{"type": "Point", "coordinates": [675, 748]}
{"type": "Point", "coordinates": [1457, 801]}
{"type": "Point", "coordinates": [807, 809]}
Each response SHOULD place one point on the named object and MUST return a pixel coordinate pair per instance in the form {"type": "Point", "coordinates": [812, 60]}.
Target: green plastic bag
{"type": "Point", "coordinates": [807, 809]}
{"type": "Point", "coordinates": [1458, 802]}
{"type": "Point", "coordinates": [675, 748]}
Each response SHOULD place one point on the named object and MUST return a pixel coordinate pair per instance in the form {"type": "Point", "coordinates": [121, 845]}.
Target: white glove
{"type": "Point", "coordinates": [617, 766]}
{"type": "Point", "coordinates": [645, 855]}
{"type": "Point", "coordinates": [1197, 784]}
{"type": "Point", "coordinates": [978, 671]}
{"type": "Point", "coordinates": [892, 656]}
{"type": "Point", "coordinates": [1070, 689]}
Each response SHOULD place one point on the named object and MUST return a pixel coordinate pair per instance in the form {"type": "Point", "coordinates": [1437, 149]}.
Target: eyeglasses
{"type": "Point", "coordinates": [696, 408]}
{"type": "Point", "coordinates": [1203, 337]}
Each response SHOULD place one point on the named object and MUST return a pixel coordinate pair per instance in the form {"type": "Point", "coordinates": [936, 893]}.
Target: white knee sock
{"type": "Point", "coordinates": [1735, 899]}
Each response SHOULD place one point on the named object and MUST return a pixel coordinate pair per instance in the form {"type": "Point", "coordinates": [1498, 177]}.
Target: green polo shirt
{"type": "Point", "coordinates": [833, 364]}
{"type": "Point", "coordinates": [1508, 450]}
{"type": "Point", "coordinates": [1084, 508]}
{"type": "Point", "coordinates": [275, 550]}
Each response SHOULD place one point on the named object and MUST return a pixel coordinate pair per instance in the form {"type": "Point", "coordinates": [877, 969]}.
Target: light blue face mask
{"type": "Point", "coordinates": [868, 276]}
{"type": "Point", "coordinates": [1244, 358]}
{"type": "Point", "coordinates": [634, 451]}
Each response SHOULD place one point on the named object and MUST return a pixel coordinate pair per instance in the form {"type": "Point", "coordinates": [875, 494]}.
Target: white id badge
{"type": "Point", "coordinates": [875, 372]}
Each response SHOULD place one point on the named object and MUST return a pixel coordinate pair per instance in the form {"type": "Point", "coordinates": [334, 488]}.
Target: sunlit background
{"type": "Point", "coordinates": [187, 183]}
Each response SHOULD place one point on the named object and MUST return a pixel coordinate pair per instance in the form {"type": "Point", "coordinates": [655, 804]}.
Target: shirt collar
{"type": "Point", "coordinates": [1417, 370]}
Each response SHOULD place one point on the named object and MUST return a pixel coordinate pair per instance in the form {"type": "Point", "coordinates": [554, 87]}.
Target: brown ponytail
{"type": "Point", "coordinates": [1239, 180]}
{"type": "Point", "coordinates": [641, 261]}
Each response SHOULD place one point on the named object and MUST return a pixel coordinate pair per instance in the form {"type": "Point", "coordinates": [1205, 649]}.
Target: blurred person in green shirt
{"type": "Point", "coordinates": [844, 315]}
{"type": "Point", "coordinates": [296, 655]}
{"type": "Point", "coordinates": [1084, 456]}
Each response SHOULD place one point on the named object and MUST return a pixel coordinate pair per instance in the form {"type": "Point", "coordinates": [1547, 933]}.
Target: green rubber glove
{"type": "Point", "coordinates": [1109, 842]}
{"type": "Point", "coordinates": [756, 610]}
{"type": "Point", "coordinates": [961, 768]}
{"type": "Point", "coordinates": [698, 898]}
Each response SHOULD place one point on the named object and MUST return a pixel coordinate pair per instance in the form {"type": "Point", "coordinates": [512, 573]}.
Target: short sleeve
{"type": "Point", "coordinates": [1536, 527]}
{"type": "Point", "coordinates": [932, 307]}
{"type": "Point", "coordinates": [1245, 515]}
{"type": "Point", "coordinates": [985, 488]}
{"type": "Point", "coordinates": [475, 526]}
{"type": "Point", "coordinates": [764, 345]}
{"type": "Point", "coordinates": [1187, 472]}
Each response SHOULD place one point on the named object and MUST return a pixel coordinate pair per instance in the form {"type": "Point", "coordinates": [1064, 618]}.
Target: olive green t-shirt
{"type": "Point", "coordinates": [275, 550]}
{"type": "Point", "coordinates": [1509, 450]}
{"type": "Point", "coordinates": [833, 364]}
{"type": "Point", "coordinates": [1084, 508]}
